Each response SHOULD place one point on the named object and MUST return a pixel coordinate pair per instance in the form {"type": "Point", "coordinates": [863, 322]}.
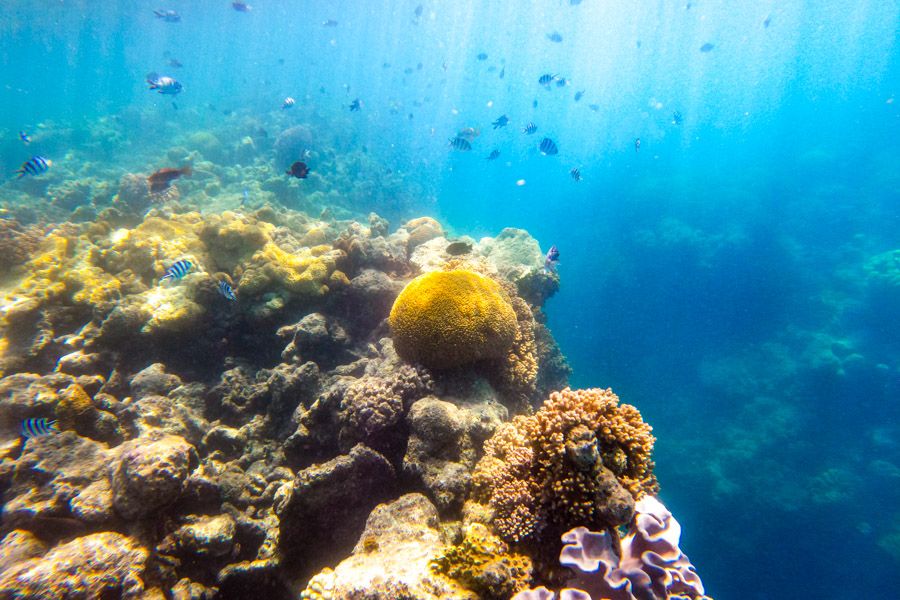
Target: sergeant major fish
{"type": "Point", "coordinates": [529, 129]}
{"type": "Point", "coordinates": [493, 155]}
{"type": "Point", "coordinates": [32, 428]}
{"type": "Point", "coordinates": [165, 84]}
{"type": "Point", "coordinates": [178, 270]}
{"type": "Point", "coordinates": [461, 144]}
{"type": "Point", "coordinates": [34, 166]}
{"type": "Point", "coordinates": [226, 290]}
{"type": "Point", "coordinates": [548, 147]}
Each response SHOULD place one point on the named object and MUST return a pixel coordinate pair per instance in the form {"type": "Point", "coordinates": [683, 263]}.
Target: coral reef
{"type": "Point", "coordinates": [484, 564]}
{"type": "Point", "coordinates": [646, 564]}
{"type": "Point", "coordinates": [581, 458]}
{"type": "Point", "coordinates": [448, 319]}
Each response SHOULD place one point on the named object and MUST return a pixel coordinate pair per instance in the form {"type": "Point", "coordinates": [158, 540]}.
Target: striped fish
{"type": "Point", "coordinates": [226, 290]}
{"type": "Point", "coordinates": [546, 79]}
{"type": "Point", "coordinates": [460, 143]}
{"type": "Point", "coordinates": [288, 102]}
{"type": "Point", "coordinates": [548, 147]}
{"type": "Point", "coordinates": [529, 129]}
{"type": "Point", "coordinates": [32, 428]}
{"type": "Point", "coordinates": [177, 270]}
{"type": "Point", "coordinates": [34, 166]}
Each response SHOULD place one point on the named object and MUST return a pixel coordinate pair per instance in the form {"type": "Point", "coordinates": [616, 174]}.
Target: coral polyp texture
{"type": "Point", "coordinates": [453, 318]}
{"type": "Point", "coordinates": [582, 458]}
{"type": "Point", "coordinates": [646, 564]}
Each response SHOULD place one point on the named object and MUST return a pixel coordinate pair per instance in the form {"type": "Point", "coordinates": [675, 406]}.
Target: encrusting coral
{"type": "Point", "coordinates": [447, 319]}
{"type": "Point", "coordinates": [582, 459]}
{"type": "Point", "coordinates": [482, 563]}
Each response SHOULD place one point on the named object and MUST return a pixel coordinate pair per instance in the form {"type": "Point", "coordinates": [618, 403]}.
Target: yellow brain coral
{"type": "Point", "coordinates": [446, 319]}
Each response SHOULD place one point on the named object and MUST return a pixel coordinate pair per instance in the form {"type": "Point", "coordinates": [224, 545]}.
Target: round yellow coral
{"type": "Point", "coordinates": [446, 319]}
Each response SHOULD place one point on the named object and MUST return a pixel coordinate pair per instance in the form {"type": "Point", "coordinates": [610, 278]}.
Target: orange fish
{"type": "Point", "coordinates": [162, 179]}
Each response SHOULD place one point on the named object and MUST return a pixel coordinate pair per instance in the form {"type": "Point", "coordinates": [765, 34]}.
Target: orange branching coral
{"type": "Point", "coordinates": [582, 458]}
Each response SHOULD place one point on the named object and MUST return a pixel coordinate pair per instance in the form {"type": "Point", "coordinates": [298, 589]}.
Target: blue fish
{"type": "Point", "coordinates": [34, 166]}
{"type": "Point", "coordinates": [177, 270]}
{"type": "Point", "coordinates": [26, 139]}
{"type": "Point", "coordinates": [548, 147]}
{"type": "Point", "coordinates": [529, 129]}
{"type": "Point", "coordinates": [546, 79]}
{"type": "Point", "coordinates": [493, 155]}
{"type": "Point", "coordinates": [32, 428]}
{"type": "Point", "coordinates": [677, 118]}
{"type": "Point", "coordinates": [707, 47]}
{"type": "Point", "coordinates": [226, 290]}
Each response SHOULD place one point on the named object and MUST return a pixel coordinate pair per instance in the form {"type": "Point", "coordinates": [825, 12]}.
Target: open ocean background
{"type": "Point", "coordinates": [733, 278]}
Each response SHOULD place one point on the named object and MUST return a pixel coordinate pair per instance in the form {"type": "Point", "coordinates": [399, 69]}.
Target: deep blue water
{"type": "Point", "coordinates": [715, 278]}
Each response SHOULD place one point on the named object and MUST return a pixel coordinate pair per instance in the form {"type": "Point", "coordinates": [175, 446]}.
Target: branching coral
{"type": "Point", "coordinates": [453, 318]}
{"type": "Point", "coordinates": [484, 564]}
{"type": "Point", "coordinates": [581, 459]}
{"type": "Point", "coordinates": [648, 564]}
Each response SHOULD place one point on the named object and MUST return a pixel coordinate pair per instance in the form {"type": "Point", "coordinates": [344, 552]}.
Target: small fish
{"type": "Point", "coordinates": [165, 85]}
{"type": "Point", "coordinates": [562, 82]}
{"type": "Point", "coordinates": [329, 23]}
{"type": "Point", "coordinates": [458, 248]}
{"type": "Point", "coordinates": [461, 144]}
{"type": "Point", "coordinates": [418, 11]}
{"type": "Point", "coordinates": [175, 63]}
{"type": "Point", "coordinates": [546, 79]}
{"type": "Point", "coordinates": [502, 72]}
{"type": "Point", "coordinates": [493, 155]}
{"type": "Point", "coordinates": [529, 129]}
{"type": "Point", "coordinates": [355, 105]}
{"type": "Point", "coordinates": [26, 139]}
{"type": "Point", "coordinates": [637, 144]}
{"type": "Point", "coordinates": [548, 147]}
{"type": "Point", "coordinates": [245, 197]}
{"type": "Point", "coordinates": [241, 7]}
{"type": "Point", "coordinates": [32, 428]}
{"type": "Point", "coordinates": [594, 107]}
{"type": "Point", "coordinates": [575, 174]}
{"type": "Point", "coordinates": [767, 21]}
{"type": "Point", "coordinates": [169, 16]}
{"type": "Point", "coordinates": [163, 178]}
{"type": "Point", "coordinates": [34, 166]}
{"type": "Point", "coordinates": [551, 259]}
{"type": "Point", "coordinates": [468, 133]}
{"type": "Point", "coordinates": [554, 37]}
{"type": "Point", "coordinates": [574, 2]}
{"type": "Point", "coordinates": [707, 47]}
{"type": "Point", "coordinates": [177, 270]}
{"type": "Point", "coordinates": [534, 103]}
{"type": "Point", "coordinates": [677, 118]}
{"type": "Point", "coordinates": [579, 95]}
{"type": "Point", "coordinates": [288, 103]}
{"type": "Point", "coordinates": [298, 170]}
{"type": "Point", "coordinates": [482, 56]}
{"type": "Point", "coordinates": [226, 290]}
{"type": "Point", "coordinates": [502, 121]}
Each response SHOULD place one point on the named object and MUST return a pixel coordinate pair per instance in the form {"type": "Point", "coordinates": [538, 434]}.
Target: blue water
{"type": "Point", "coordinates": [715, 277]}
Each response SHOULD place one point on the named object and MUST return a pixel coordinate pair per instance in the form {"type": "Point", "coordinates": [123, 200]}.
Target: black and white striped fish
{"type": "Point", "coordinates": [529, 129]}
{"type": "Point", "coordinates": [34, 166]}
{"type": "Point", "coordinates": [165, 85]}
{"type": "Point", "coordinates": [288, 102]}
{"type": "Point", "coordinates": [548, 147]}
{"type": "Point", "coordinates": [177, 270]}
{"type": "Point", "coordinates": [575, 173]}
{"type": "Point", "coordinates": [546, 79]}
{"type": "Point", "coordinates": [32, 428]}
{"type": "Point", "coordinates": [460, 143]}
{"type": "Point", "coordinates": [493, 155]}
{"type": "Point", "coordinates": [226, 290]}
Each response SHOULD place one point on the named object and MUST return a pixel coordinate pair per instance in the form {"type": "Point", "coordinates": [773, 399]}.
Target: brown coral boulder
{"type": "Point", "coordinates": [150, 474]}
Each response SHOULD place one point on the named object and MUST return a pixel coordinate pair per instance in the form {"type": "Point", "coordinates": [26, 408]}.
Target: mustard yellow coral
{"type": "Point", "coordinates": [582, 459]}
{"type": "Point", "coordinates": [484, 564]}
{"type": "Point", "coordinates": [446, 319]}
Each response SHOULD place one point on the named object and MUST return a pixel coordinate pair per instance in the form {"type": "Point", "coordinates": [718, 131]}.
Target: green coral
{"type": "Point", "coordinates": [483, 563]}
{"type": "Point", "coordinates": [447, 319]}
